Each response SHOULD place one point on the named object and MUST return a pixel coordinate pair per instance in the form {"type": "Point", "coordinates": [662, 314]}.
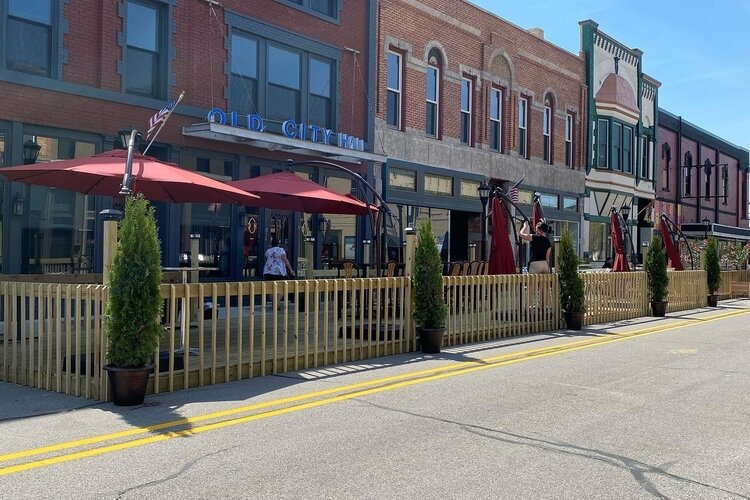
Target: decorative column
{"type": "Point", "coordinates": [411, 247]}
{"type": "Point", "coordinates": [366, 256]}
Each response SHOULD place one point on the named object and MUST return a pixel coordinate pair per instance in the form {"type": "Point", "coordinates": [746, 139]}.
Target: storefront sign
{"type": "Point", "coordinates": [290, 129]}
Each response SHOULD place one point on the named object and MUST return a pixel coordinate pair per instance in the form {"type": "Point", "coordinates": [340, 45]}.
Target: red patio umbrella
{"type": "Point", "coordinates": [501, 251]}
{"type": "Point", "coordinates": [158, 181]}
{"type": "Point", "coordinates": [672, 254]}
{"type": "Point", "coordinates": [621, 263]}
{"type": "Point", "coordinates": [289, 191]}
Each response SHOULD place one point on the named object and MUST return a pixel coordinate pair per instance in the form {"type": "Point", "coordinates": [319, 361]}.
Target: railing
{"type": "Point", "coordinates": [53, 336]}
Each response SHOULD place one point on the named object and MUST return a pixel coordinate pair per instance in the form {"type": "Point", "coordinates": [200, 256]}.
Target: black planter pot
{"type": "Point", "coordinates": [713, 300]}
{"type": "Point", "coordinates": [431, 339]}
{"type": "Point", "coordinates": [128, 384]}
{"type": "Point", "coordinates": [573, 320]}
{"type": "Point", "coordinates": [659, 308]}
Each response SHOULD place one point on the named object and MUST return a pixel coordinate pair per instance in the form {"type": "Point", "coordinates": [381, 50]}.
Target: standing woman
{"type": "Point", "coordinates": [541, 248]}
{"type": "Point", "coordinates": [277, 264]}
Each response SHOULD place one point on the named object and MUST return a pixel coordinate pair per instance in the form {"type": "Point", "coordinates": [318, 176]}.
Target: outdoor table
{"type": "Point", "coordinates": [185, 318]}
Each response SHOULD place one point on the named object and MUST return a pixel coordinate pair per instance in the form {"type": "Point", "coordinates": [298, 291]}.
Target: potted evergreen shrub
{"type": "Point", "coordinates": [658, 279]}
{"type": "Point", "coordinates": [134, 304]}
{"type": "Point", "coordinates": [430, 310]}
{"type": "Point", "coordinates": [713, 270]}
{"type": "Point", "coordinates": [570, 284]}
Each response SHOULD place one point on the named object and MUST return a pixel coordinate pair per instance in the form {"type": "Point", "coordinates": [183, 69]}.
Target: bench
{"type": "Point", "coordinates": [739, 288]}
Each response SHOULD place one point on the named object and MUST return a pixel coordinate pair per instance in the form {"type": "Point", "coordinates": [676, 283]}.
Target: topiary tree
{"type": "Point", "coordinates": [656, 271]}
{"type": "Point", "coordinates": [712, 267]}
{"type": "Point", "coordinates": [571, 284]}
{"type": "Point", "coordinates": [430, 310]}
{"type": "Point", "coordinates": [135, 302]}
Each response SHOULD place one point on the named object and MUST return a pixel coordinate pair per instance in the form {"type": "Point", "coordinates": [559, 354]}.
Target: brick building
{"type": "Point", "coordinates": [701, 180]}
{"type": "Point", "coordinates": [464, 96]}
{"type": "Point", "coordinates": [73, 73]}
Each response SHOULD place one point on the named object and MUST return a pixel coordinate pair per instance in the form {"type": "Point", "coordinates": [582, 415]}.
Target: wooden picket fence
{"type": "Point", "coordinates": [53, 334]}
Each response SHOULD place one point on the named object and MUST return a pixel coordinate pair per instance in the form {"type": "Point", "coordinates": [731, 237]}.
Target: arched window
{"type": "Point", "coordinates": [666, 153]}
{"type": "Point", "coordinates": [547, 128]}
{"type": "Point", "coordinates": [688, 171]}
{"type": "Point", "coordinates": [432, 92]}
{"type": "Point", "coordinates": [707, 174]}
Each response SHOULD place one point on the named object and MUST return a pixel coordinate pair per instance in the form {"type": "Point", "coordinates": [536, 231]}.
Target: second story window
{"type": "Point", "coordinates": [143, 75]}
{"type": "Point", "coordinates": [432, 92]}
{"type": "Point", "coordinates": [523, 121]}
{"type": "Point", "coordinates": [284, 83]}
{"type": "Point", "coordinates": [467, 94]}
{"type": "Point", "coordinates": [666, 153]}
{"type": "Point", "coordinates": [645, 146]}
{"type": "Point", "coordinates": [547, 130]}
{"type": "Point", "coordinates": [243, 85]}
{"type": "Point", "coordinates": [29, 37]}
{"type": "Point", "coordinates": [496, 119]}
{"type": "Point", "coordinates": [320, 105]}
{"type": "Point", "coordinates": [688, 168]}
{"type": "Point", "coordinates": [393, 117]}
{"type": "Point", "coordinates": [724, 183]}
{"type": "Point", "coordinates": [569, 120]}
{"type": "Point", "coordinates": [627, 149]}
{"type": "Point", "coordinates": [616, 146]}
{"type": "Point", "coordinates": [707, 174]}
{"type": "Point", "coordinates": [602, 143]}
{"type": "Point", "coordinates": [325, 7]}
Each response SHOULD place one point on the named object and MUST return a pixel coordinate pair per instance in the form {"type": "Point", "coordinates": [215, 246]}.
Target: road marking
{"type": "Point", "coordinates": [350, 391]}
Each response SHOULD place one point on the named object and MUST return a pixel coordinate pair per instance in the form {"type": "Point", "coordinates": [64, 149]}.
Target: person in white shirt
{"type": "Point", "coordinates": [277, 264]}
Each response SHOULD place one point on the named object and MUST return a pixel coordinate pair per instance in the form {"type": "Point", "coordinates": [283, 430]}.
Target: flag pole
{"type": "Point", "coordinates": [164, 122]}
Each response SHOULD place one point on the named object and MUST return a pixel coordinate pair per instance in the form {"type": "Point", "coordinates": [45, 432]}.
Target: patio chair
{"type": "Point", "coordinates": [348, 267]}
{"type": "Point", "coordinates": [474, 268]}
{"type": "Point", "coordinates": [465, 268]}
{"type": "Point", "coordinates": [455, 269]}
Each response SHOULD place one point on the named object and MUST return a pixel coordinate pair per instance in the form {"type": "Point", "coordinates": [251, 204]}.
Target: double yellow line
{"type": "Point", "coordinates": [94, 445]}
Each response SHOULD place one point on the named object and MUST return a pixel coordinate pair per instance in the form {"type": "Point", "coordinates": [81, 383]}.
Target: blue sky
{"type": "Point", "coordinates": [698, 50]}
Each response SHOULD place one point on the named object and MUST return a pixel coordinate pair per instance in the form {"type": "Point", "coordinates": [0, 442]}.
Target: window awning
{"type": "Point", "coordinates": [275, 142]}
{"type": "Point", "coordinates": [722, 231]}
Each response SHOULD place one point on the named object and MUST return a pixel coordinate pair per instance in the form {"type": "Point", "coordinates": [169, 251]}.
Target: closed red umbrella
{"type": "Point", "coordinates": [501, 251]}
{"type": "Point", "coordinates": [673, 255]}
{"type": "Point", "coordinates": [621, 263]}
{"type": "Point", "coordinates": [289, 191]}
{"type": "Point", "coordinates": [158, 181]}
{"type": "Point", "coordinates": [537, 213]}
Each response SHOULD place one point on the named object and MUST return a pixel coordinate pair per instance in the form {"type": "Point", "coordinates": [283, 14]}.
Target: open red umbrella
{"type": "Point", "coordinates": [158, 181]}
{"type": "Point", "coordinates": [501, 251]}
{"type": "Point", "coordinates": [674, 256]}
{"type": "Point", "coordinates": [621, 263]}
{"type": "Point", "coordinates": [289, 191]}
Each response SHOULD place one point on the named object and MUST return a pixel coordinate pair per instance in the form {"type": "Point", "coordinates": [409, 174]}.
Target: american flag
{"type": "Point", "coordinates": [159, 117]}
{"type": "Point", "coordinates": [513, 194]}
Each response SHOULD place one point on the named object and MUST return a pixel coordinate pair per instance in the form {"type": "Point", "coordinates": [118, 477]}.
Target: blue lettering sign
{"type": "Point", "coordinates": [289, 128]}
{"type": "Point", "coordinates": [256, 123]}
{"type": "Point", "coordinates": [328, 136]}
{"type": "Point", "coordinates": [217, 113]}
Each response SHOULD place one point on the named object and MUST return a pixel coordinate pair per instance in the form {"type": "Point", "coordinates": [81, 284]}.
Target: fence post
{"type": "Point", "coordinates": [366, 254]}
{"type": "Point", "coordinates": [111, 218]}
{"type": "Point", "coordinates": [309, 244]}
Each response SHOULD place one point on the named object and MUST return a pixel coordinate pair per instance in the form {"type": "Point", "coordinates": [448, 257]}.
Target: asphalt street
{"type": "Point", "coordinates": [646, 408]}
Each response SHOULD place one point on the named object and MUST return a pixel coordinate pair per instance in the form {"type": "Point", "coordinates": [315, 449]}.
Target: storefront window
{"type": "Point", "coordinates": [438, 184]}
{"type": "Point", "coordinates": [210, 221]}
{"type": "Point", "coordinates": [441, 224]}
{"type": "Point", "coordinates": [572, 227]}
{"type": "Point", "coordinates": [598, 240]}
{"type": "Point", "coordinates": [470, 189]}
{"type": "Point", "coordinates": [340, 235]}
{"type": "Point", "coordinates": [570, 203]}
{"type": "Point", "coordinates": [402, 179]}
{"type": "Point", "coordinates": [58, 233]}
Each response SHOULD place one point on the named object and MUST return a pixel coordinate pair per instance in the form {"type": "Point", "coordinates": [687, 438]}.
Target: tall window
{"type": "Point", "coordinates": [569, 120]}
{"type": "Point", "coordinates": [320, 106]}
{"type": "Point", "coordinates": [432, 92]}
{"type": "Point", "coordinates": [645, 146]}
{"type": "Point", "coordinates": [243, 85]}
{"type": "Point", "coordinates": [707, 176]}
{"type": "Point", "coordinates": [688, 168]}
{"type": "Point", "coordinates": [29, 38]}
{"type": "Point", "coordinates": [666, 153]}
{"type": "Point", "coordinates": [394, 90]}
{"type": "Point", "coordinates": [325, 7]}
{"type": "Point", "coordinates": [143, 74]}
{"type": "Point", "coordinates": [547, 130]}
{"type": "Point", "coordinates": [284, 83]}
{"type": "Point", "coordinates": [602, 143]}
{"type": "Point", "coordinates": [724, 183]}
{"type": "Point", "coordinates": [627, 149]}
{"type": "Point", "coordinates": [523, 122]}
{"type": "Point", "coordinates": [467, 92]}
{"type": "Point", "coordinates": [496, 119]}
{"type": "Point", "coordinates": [616, 146]}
